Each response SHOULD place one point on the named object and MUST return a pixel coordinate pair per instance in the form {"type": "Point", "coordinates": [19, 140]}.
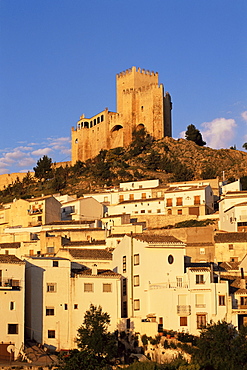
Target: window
{"type": "Point", "coordinates": [243, 302]}
{"type": "Point", "coordinates": [55, 264]}
{"type": "Point", "coordinates": [200, 303]}
{"type": "Point", "coordinates": [158, 210]}
{"type": "Point", "coordinates": [170, 259]}
{"type": "Point", "coordinates": [142, 210]}
{"type": "Point", "coordinates": [222, 300]}
{"type": "Point", "coordinates": [197, 200]}
{"type": "Point", "coordinates": [200, 321]}
{"type": "Point", "coordinates": [50, 250]}
{"type": "Point", "coordinates": [51, 334]}
{"type": "Point", "coordinates": [107, 288]}
{"type": "Point", "coordinates": [136, 280]}
{"type": "Point", "coordinates": [200, 279]}
{"type": "Point", "coordinates": [76, 306]}
{"type": "Point", "coordinates": [230, 247]}
{"type": "Point", "coordinates": [169, 211]}
{"type": "Point", "coordinates": [124, 263]}
{"type": "Point", "coordinates": [169, 202]}
{"type": "Point", "coordinates": [65, 306]}
{"type": "Point", "coordinates": [179, 201]}
{"type": "Point", "coordinates": [125, 311]}
{"type": "Point", "coordinates": [136, 304]}
{"type": "Point", "coordinates": [202, 250]}
{"type": "Point", "coordinates": [180, 212]}
{"type": "Point", "coordinates": [124, 286]}
{"type": "Point", "coordinates": [12, 328]}
{"type": "Point", "coordinates": [121, 198]}
{"type": "Point", "coordinates": [12, 306]}
{"type": "Point", "coordinates": [183, 321]}
{"type": "Point", "coordinates": [88, 287]}
{"type": "Point", "coordinates": [144, 195]}
{"type": "Point", "coordinates": [136, 259]}
{"type": "Point", "coordinates": [51, 287]}
{"type": "Point", "coordinates": [131, 197]}
{"type": "Point", "coordinates": [179, 282]}
{"type": "Point", "coordinates": [50, 311]}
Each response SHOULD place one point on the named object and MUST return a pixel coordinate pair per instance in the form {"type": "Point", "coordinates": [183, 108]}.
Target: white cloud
{"type": "Point", "coordinates": [41, 152]}
{"type": "Point", "coordinates": [219, 133]}
{"type": "Point", "coordinates": [244, 115]}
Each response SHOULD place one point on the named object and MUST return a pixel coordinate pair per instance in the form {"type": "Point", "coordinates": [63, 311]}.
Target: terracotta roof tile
{"type": "Point", "coordinates": [10, 245]}
{"type": "Point", "coordinates": [230, 237]}
{"type": "Point", "coordinates": [153, 238]}
{"type": "Point", "coordinates": [85, 242]}
{"type": "Point", "coordinates": [100, 273]}
{"type": "Point", "coordinates": [10, 258]}
{"type": "Point", "coordinates": [91, 254]}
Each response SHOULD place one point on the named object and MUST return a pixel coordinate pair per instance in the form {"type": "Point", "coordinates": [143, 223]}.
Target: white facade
{"type": "Point", "coordinates": [82, 209]}
{"type": "Point", "coordinates": [196, 200]}
{"type": "Point", "coordinates": [12, 293]}
{"type": "Point", "coordinates": [140, 206]}
{"type": "Point", "coordinates": [156, 287]}
{"type": "Point", "coordinates": [232, 210]}
{"type": "Point", "coordinates": [57, 298]}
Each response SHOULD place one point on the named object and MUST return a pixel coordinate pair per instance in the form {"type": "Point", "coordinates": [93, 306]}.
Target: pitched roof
{"type": "Point", "coordinates": [236, 237]}
{"type": "Point", "coordinates": [101, 254]}
{"type": "Point", "coordinates": [85, 242]}
{"type": "Point", "coordinates": [153, 238]}
{"type": "Point", "coordinates": [10, 258]}
{"type": "Point", "coordinates": [10, 245]}
{"type": "Point", "coordinates": [228, 266]}
{"type": "Point", "coordinates": [100, 273]}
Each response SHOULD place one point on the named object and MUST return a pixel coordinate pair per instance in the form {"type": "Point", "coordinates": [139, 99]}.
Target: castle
{"type": "Point", "coordinates": [140, 103]}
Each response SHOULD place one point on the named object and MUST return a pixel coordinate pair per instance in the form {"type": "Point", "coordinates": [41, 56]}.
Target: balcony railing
{"type": "Point", "coordinates": [34, 211]}
{"type": "Point", "coordinates": [174, 285]}
{"type": "Point", "coordinates": [10, 284]}
{"type": "Point", "coordinates": [183, 310]}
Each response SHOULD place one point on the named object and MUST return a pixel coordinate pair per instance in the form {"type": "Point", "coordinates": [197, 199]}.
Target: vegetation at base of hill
{"type": "Point", "coordinates": [219, 347]}
{"type": "Point", "coordinates": [167, 159]}
{"type": "Point", "coordinates": [194, 223]}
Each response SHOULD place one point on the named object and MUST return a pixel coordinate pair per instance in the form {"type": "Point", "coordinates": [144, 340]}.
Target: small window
{"type": "Point", "coordinates": [222, 300]}
{"type": "Point", "coordinates": [142, 210]}
{"type": "Point", "coordinates": [200, 279]}
{"type": "Point", "coordinates": [76, 306]}
{"type": "Point", "coordinates": [202, 250]}
{"type": "Point", "coordinates": [39, 218]}
{"type": "Point", "coordinates": [230, 247]}
{"type": "Point", "coordinates": [136, 259]}
{"type": "Point", "coordinates": [170, 259]}
{"type": "Point", "coordinates": [107, 288]}
{"type": "Point", "coordinates": [136, 304]}
{"type": "Point", "coordinates": [50, 250]}
{"type": "Point", "coordinates": [65, 306]}
{"type": "Point", "coordinates": [12, 306]}
{"type": "Point", "coordinates": [136, 280]}
{"type": "Point", "coordinates": [124, 263]}
{"type": "Point", "coordinates": [201, 321]}
{"type": "Point", "coordinates": [55, 264]}
{"type": "Point", "coordinates": [183, 321]}
{"type": "Point", "coordinates": [51, 287]}
{"type": "Point", "coordinates": [124, 287]}
{"type": "Point", "coordinates": [102, 118]}
{"type": "Point", "coordinates": [12, 328]}
{"type": "Point", "coordinates": [169, 202]}
{"type": "Point", "coordinates": [180, 211]}
{"type": "Point", "coordinates": [50, 311]}
{"type": "Point", "coordinates": [158, 210]}
{"type": "Point", "coordinates": [88, 287]}
{"type": "Point", "coordinates": [51, 334]}
{"type": "Point", "coordinates": [179, 201]}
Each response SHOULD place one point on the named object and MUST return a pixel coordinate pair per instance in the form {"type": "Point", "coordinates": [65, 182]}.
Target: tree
{"type": "Point", "coordinates": [244, 146]}
{"type": "Point", "coordinates": [221, 347]}
{"type": "Point", "coordinates": [193, 134]}
{"type": "Point", "coordinates": [97, 346]}
{"type": "Point", "coordinates": [43, 169]}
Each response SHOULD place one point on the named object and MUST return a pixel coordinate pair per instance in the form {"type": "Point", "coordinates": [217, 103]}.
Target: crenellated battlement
{"type": "Point", "coordinates": [138, 70]}
{"type": "Point", "coordinates": [143, 88]}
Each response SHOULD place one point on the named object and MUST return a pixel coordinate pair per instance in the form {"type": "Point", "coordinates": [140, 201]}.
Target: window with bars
{"type": "Point", "coordinates": [88, 287]}
{"type": "Point", "coordinates": [107, 288]}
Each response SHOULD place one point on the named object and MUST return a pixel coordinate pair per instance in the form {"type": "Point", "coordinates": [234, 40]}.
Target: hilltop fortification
{"type": "Point", "coordinates": [141, 102]}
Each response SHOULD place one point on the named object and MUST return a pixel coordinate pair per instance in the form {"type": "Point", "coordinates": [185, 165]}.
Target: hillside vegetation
{"type": "Point", "coordinates": [167, 159]}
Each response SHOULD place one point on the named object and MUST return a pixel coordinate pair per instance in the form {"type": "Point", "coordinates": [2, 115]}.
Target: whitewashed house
{"type": "Point", "coordinates": [12, 296]}
{"type": "Point", "coordinates": [58, 296]}
{"type": "Point", "coordinates": [157, 288]}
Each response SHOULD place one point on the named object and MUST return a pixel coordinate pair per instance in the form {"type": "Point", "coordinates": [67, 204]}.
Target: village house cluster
{"type": "Point", "coordinates": [119, 249]}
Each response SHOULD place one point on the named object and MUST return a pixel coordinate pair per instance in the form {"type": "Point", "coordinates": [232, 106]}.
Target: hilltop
{"type": "Point", "coordinates": [167, 159]}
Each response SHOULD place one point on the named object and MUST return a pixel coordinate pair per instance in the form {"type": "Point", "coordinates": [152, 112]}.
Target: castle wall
{"type": "Point", "coordinates": [140, 101]}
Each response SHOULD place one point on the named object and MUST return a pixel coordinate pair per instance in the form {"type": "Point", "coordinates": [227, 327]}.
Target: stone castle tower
{"type": "Point", "coordinates": [140, 103]}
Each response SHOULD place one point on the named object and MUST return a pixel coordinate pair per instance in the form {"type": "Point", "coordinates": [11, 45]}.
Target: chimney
{"type": "Point", "coordinates": [94, 269]}
{"type": "Point", "coordinates": [242, 281]}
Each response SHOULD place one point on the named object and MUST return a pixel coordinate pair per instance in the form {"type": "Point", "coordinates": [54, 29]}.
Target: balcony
{"type": "Point", "coordinates": [183, 310]}
{"type": "Point", "coordinates": [35, 211]}
{"type": "Point", "coordinates": [175, 285]}
{"type": "Point", "coordinates": [9, 284]}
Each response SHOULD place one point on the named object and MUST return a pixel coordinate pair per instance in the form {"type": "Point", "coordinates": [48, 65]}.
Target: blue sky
{"type": "Point", "coordinates": [59, 58]}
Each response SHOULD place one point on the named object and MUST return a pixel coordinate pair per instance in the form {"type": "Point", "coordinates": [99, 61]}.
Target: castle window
{"type": "Point", "coordinates": [98, 119]}
{"type": "Point", "coordinates": [91, 123]}
{"type": "Point", "coordinates": [86, 124]}
{"type": "Point", "coordinates": [142, 108]}
{"type": "Point", "coordinates": [76, 141]}
{"type": "Point", "coordinates": [94, 121]}
{"type": "Point", "coordinates": [102, 118]}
